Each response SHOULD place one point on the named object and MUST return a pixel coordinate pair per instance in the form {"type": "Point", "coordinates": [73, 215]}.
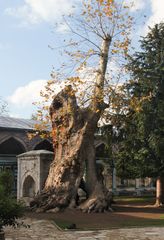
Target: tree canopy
{"type": "Point", "coordinates": [97, 23]}
{"type": "Point", "coordinates": [141, 151]}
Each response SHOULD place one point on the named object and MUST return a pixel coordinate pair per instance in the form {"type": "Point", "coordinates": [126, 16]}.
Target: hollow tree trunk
{"type": "Point", "coordinates": [67, 168]}
{"type": "Point", "coordinates": [159, 191]}
{"type": "Point", "coordinates": [73, 140]}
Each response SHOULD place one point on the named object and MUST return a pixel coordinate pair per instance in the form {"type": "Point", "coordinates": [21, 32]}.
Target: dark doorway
{"type": "Point", "coordinates": [11, 146]}
{"type": "Point", "coordinates": [44, 145]}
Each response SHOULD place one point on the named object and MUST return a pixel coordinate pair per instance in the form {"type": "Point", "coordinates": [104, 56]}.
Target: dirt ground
{"type": "Point", "coordinates": [124, 215]}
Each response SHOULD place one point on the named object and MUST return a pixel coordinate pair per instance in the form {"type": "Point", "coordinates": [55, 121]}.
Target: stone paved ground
{"type": "Point", "coordinates": [46, 230]}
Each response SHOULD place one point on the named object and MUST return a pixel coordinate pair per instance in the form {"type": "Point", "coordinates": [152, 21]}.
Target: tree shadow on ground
{"type": "Point", "coordinates": [123, 216]}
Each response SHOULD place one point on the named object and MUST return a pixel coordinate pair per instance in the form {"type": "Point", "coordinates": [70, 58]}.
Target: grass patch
{"type": "Point", "coordinates": [65, 225]}
{"type": "Point", "coordinates": [62, 224]}
{"type": "Point", "coordinates": [142, 223]}
{"type": "Point", "coordinates": [145, 199]}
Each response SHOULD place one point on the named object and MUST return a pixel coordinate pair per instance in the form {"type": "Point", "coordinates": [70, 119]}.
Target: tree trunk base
{"type": "Point", "coordinates": [47, 201]}
{"type": "Point", "coordinates": [159, 205]}
{"type": "Point", "coordinates": [97, 203]}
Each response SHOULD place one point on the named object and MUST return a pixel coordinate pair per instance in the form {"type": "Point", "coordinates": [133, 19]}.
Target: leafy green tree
{"type": "Point", "coordinates": [142, 147]}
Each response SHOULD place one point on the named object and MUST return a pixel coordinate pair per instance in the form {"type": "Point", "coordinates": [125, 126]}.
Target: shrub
{"type": "Point", "coordinates": [10, 209]}
{"type": "Point", "coordinates": [6, 181]}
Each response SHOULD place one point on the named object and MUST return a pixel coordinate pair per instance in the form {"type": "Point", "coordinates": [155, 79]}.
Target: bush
{"type": "Point", "coordinates": [6, 181]}
{"type": "Point", "coordinates": [10, 209]}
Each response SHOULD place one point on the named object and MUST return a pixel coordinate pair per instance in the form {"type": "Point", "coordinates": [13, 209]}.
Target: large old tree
{"type": "Point", "coordinates": [101, 33]}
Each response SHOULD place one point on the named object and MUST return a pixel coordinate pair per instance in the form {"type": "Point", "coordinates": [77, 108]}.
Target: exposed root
{"type": "Point", "coordinates": [158, 205]}
{"type": "Point", "coordinates": [97, 204]}
{"type": "Point", "coordinates": [50, 202]}
{"type": "Point", "coordinates": [53, 202]}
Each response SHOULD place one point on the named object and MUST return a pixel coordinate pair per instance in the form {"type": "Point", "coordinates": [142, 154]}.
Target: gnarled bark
{"type": "Point", "coordinates": [73, 139]}
{"type": "Point", "coordinates": [67, 168]}
{"type": "Point", "coordinates": [99, 199]}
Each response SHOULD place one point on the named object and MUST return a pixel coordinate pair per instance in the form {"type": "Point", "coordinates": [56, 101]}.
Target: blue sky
{"type": "Point", "coordinates": [27, 28]}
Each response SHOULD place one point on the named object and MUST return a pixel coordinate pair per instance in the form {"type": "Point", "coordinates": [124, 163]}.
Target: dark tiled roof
{"type": "Point", "coordinates": [16, 123]}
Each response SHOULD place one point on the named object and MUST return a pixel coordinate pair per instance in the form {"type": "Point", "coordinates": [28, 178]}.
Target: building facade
{"type": "Point", "coordinates": [14, 141]}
